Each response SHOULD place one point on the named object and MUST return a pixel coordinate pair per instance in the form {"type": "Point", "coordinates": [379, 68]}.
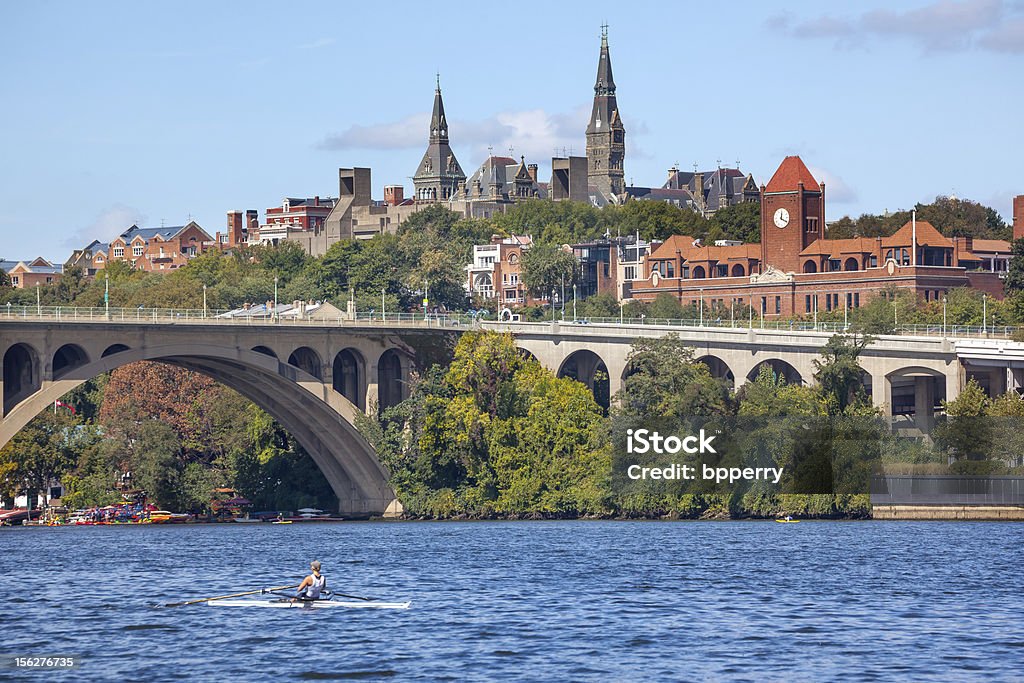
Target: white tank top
{"type": "Point", "coordinates": [318, 585]}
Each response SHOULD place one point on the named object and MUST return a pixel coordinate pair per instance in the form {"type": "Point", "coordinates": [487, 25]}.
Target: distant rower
{"type": "Point", "coordinates": [313, 585]}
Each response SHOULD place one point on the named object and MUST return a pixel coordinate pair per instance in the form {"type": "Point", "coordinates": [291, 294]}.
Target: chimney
{"type": "Point", "coordinates": [252, 219]}
{"type": "Point", "coordinates": [532, 168]}
{"type": "Point", "coordinates": [673, 178]}
{"type": "Point", "coordinates": [316, 200]}
{"type": "Point", "coordinates": [394, 194]}
{"type": "Point", "coordinates": [1018, 217]}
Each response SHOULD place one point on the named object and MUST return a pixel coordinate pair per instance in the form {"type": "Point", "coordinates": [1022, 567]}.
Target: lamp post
{"type": "Point", "coordinates": [563, 298]}
{"type": "Point", "coordinates": [39, 305]}
{"type": "Point", "coordinates": [984, 313]}
{"type": "Point", "coordinates": [383, 315]}
{"type": "Point", "coordinates": [574, 304]}
{"type": "Point", "coordinates": [943, 316]}
{"type": "Point", "coordinates": [701, 307]}
{"type": "Point", "coordinates": [204, 301]}
{"type": "Point", "coordinates": [106, 292]}
{"type": "Point", "coordinates": [552, 304]}
{"type": "Point", "coordinates": [815, 307]}
{"type": "Point", "coordinates": [732, 312]}
{"type": "Point", "coordinates": [275, 297]}
{"type": "Point", "coordinates": [621, 304]}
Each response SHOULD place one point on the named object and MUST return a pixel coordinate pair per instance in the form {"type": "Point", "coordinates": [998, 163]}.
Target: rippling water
{"type": "Point", "coordinates": [525, 601]}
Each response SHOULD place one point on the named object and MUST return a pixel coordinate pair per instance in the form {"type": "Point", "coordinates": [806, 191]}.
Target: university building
{"type": "Point", "coordinates": [796, 270]}
{"type": "Point", "coordinates": [149, 249]}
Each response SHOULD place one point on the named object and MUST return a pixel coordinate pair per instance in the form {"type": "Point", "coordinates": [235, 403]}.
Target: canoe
{"type": "Point", "coordinates": [309, 604]}
{"type": "Point", "coordinates": [282, 521]}
{"type": "Point", "coordinates": [788, 521]}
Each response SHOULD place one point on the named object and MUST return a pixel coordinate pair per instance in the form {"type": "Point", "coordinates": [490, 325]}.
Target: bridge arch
{"type": "Point", "coordinates": [915, 392]}
{"type": "Point", "coordinates": [587, 367]}
{"type": "Point", "coordinates": [22, 373]}
{"type": "Point", "coordinates": [307, 360]}
{"type": "Point", "coordinates": [719, 369]}
{"type": "Point", "coordinates": [780, 368]}
{"type": "Point", "coordinates": [112, 349]}
{"type": "Point", "coordinates": [321, 420]}
{"type": "Point", "coordinates": [265, 350]}
{"type": "Point", "coordinates": [348, 376]}
{"type": "Point", "coordinates": [67, 358]}
{"type": "Point", "coordinates": [392, 366]}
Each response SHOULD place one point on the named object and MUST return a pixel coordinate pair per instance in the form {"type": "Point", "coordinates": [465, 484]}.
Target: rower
{"type": "Point", "coordinates": [313, 585]}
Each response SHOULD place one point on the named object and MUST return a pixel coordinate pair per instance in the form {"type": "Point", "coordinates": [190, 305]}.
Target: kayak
{"type": "Point", "coordinates": [282, 521]}
{"type": "Point", "coordinates": [309, 604]}
{"type": "Point", "coordinates": [788, 521]}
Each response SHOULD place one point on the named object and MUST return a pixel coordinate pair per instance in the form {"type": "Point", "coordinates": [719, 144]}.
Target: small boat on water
{"type": "Point", "coordinates": [788, 521]}
{"type": "Point", "coordinates": [165, 517]}
{"type": "Point", "coordinates": [282, 521]}
{"type": "Point", "coordinates": [287, 603]}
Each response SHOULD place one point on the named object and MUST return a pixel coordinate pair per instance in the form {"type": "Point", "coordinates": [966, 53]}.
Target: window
{"type": "Point", "coordinates": [764, 304]}
{"type": "Point", "coordinates": [722, 270]}
{"type": "Point", "coordinates": [807, 304]}
{"type": "Point", "coordinates": [118, 252]}
{"type": "Point", "coordinates": [14, 280]}
{"type": "Point", "coordinates": [778, 304]}
{"type": "Point", "coordinates": [856, 299]}
{"type": "Point", "coordinates": [513, 259]}
{"type": "Point", "coordinates": [630, 273]}
{"type": "Point", "coordinates": [670, 269]}
{"type": "Point", "coordinates": [873, 261]}
{"type": "Point", "coordinates": [49, 279]}
{"type": "Point", "coordinates": [811, 225]}
{"type": "Point", "coordinates": [137, 250]}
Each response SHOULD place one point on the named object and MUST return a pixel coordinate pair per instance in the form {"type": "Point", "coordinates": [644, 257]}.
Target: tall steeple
{"type": "Point", "coordinates": [438, 123]}
{"type": "Point", "coordinates": [439, 176]}
{"type": "Point", "coordinates": [606, 136]}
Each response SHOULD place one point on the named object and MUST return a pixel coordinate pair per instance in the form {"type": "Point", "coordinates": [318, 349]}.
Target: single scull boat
{"type": "Point", "coordinates": [309, 604]}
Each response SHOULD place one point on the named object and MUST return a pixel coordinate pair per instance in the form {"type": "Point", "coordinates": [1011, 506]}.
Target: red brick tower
{"type": "Point", "coordinates": [792, 215]}
{"type": "Point", "coordinates": [1018, 217]}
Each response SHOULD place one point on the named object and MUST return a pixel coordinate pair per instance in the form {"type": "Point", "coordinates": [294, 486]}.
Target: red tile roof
{"type": "Point", "coordinates": [927, 236]}
{"type": "Point", "coordinates": [790, 174]}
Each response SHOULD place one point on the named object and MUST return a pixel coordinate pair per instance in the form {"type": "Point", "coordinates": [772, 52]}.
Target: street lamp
{"type": "Point", "coordinates": [702, 307]}
{"type": "Point", "coordinates": [815, 308]}
{"type": "Point", "coordinates": [621, 304]}
{"type": "Point", "coordinates": [106, 292]}
{"type": "Point", "coordinates": [574, 303]}
{"type": "Point", "coordinates": [943, 316]}
{"type": "Point", "coordinates": [39, 305]}
{"type": "Point", "coordinates": [204, 301]}
{"type": "Point", "coordinates": [552, 304]}
{"type": "Point", "coordinates": [383, 315]}
{"type": "Point", "coordinates": [984, 313]}
{"type": "Point", "coordinates": [275, 297]}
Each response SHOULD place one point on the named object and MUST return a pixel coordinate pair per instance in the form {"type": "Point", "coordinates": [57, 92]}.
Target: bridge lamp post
{"type": "Point", "coordinates": [574, 304]}
{"type": "Point", "coordinates": [943, 316]}
{"type": "Point", "coordinates": [106, 292]}
{"type": "Point", "coordinates": [815, 307]}
{"type": "Point", "coordinates": [701, 307]}
{"type": "Point", "coordinates": [383, 315]}
{"type": "Point", "coordinates": [622, 303]}
{"type": "Point", "coordinates": [275, 297]}
{"type": "Point", "coordinates": [204, 301]}
{"type": "Point", "coordinates": [552, 304]}
{"type": "Point", "coordinates": [984, 313]}
{"type": "Point", "coordinates": [39, 304]}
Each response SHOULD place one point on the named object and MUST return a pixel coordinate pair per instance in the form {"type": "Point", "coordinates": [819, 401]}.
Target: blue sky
{"type": "Point", "coordinates": [117, 113]}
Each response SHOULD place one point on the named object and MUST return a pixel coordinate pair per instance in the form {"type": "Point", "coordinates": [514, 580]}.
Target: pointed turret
{"type": "Point", "coordinates": [606, 136]}
{"type": "Point", "coordinates": [439, 175]}
{"type": "Point", "coordinates": [438, 122]}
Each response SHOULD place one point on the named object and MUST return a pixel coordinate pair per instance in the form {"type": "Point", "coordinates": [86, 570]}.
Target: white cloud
{"type": "Point", "coordinates": [110, 222]}
{"type": "Point", "coordinates": [534, 133]}
{"type": "Point", "coordinates": [836, 189]}
{"type": "Point", "coordinates": [944, 25]}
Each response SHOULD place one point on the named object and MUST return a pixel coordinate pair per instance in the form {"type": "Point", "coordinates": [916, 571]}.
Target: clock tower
{"type": "Point", "coordinates": [792, 215]}
{"type": "Point", "coordinates": [606, 136]}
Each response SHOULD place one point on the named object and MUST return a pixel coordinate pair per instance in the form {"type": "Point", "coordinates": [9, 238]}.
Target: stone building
{"type": "Point", "coordinates": [438, 176]}
{"type": "Point", "coordinates": [606, 135]}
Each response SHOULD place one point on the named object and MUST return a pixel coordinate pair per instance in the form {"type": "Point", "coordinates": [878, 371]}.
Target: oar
{"type": "Point", "coordinates": [233, 595]}
{"type": "Point", "coordinates": [354, 597]}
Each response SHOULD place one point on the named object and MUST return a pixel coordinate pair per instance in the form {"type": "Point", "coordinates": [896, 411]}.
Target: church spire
{"type": "Point", "coordinates": [438, 122]}
{"type": "Point", "coordinates": [605, 85]}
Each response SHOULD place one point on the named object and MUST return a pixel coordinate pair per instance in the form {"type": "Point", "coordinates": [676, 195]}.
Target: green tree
{"type": "Point", "coordinates": [546, 266]}
{"type": "Point", "coordinates": [737, 222]}
{"type": "Point", "coordinates": [1015, 275]}
{"type": "Point", "coordinates": [838, 373]}
{"type": "Point", "coordinates": [966, 434]}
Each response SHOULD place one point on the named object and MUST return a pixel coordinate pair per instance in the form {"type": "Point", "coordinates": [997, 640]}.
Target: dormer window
{"type": "Point", "coordinates": [137, 250]}
{"type": "Point", "coordinates": [118, 252]}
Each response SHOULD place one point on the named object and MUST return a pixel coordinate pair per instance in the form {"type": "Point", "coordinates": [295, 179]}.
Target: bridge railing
{"type": "Point", "coordinates": [260, 316]}
{"type": "Point", "coordinates": [142, 315]}
{"type": "Point", "coordinates": [928, 330]}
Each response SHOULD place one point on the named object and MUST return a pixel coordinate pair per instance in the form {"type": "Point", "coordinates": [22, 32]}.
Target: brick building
{"type": "Point", "coordinates": [28, 274]}
{"type": "Point", "coordinates": [1018, 217]}
{"type": "Point", "coordinates": [796, 270]}
{"type": "Point", "coordinates": [150, 249]}
{"type": "Point", "coordinates": [496, 271]}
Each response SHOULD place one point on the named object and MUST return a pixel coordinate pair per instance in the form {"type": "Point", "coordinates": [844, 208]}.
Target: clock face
{"type": "Point", "coordinates": [781, 218]}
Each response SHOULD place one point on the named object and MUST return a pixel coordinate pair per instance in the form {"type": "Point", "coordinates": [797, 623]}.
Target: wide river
{"type": "Point", "coordinates": [533, 601]}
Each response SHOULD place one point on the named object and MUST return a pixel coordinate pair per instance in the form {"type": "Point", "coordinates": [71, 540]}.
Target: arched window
{"type": "Point", "coordinates": [698, 273]}
{"type": "Point", "coordinates": [810, 267]}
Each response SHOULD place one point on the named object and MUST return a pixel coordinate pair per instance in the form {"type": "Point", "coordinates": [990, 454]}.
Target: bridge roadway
{"type": "Point", "coordinates": [315, 376]}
